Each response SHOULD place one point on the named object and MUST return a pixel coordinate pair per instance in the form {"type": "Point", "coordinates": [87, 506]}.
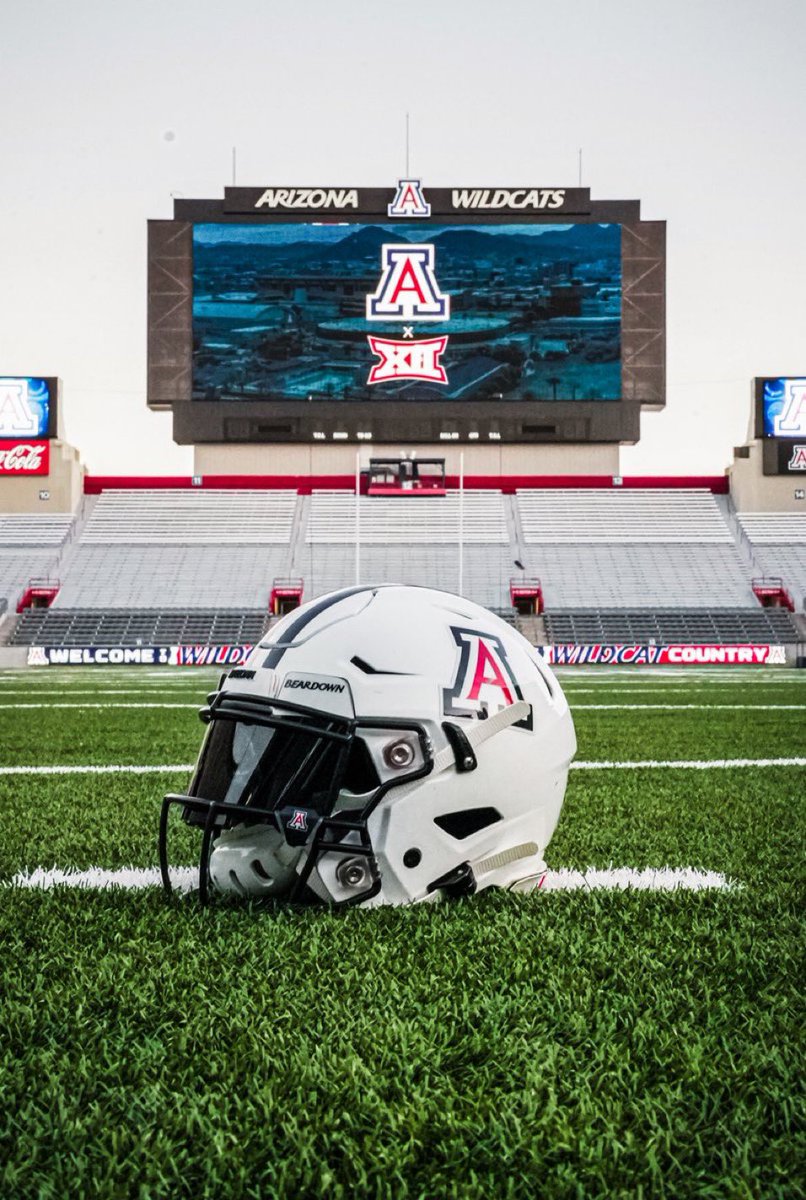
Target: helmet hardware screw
{"type": "Point", "coordinates": [351, 873]}
{"type": "Point", "coordinates": [399, 754]}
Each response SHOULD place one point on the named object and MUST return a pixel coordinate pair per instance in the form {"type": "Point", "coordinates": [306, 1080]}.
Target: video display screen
{"type": "Point", "coordinates": [407, 311]}
{"type": "Point", "coordinates": [25, 404]}
{"type": "Point", "coordinates": [784, 408]}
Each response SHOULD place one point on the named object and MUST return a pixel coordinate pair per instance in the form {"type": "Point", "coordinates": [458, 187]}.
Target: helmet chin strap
{"type": "Point", "coordinates": [479, 733]}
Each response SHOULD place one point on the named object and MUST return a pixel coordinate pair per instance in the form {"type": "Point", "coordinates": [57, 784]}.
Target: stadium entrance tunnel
{"type": "Point", "coordinates": [286, 595]}
{"type": "Point", "coordinates": [40, 593]}
{"type": "Point", "coordinates": [526, 596]}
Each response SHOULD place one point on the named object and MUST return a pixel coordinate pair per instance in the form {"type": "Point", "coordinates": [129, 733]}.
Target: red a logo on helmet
{"type": "Point", "coordinates": [485, 681]}
{"type": "Point", "coordinates": [299, 820]}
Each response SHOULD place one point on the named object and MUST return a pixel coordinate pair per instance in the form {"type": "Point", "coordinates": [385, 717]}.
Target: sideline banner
{"type": "Point", "coordinates": [137, 656]}
{"type": "Point", "coordinates": [678, 655]}
{"type": "Point", "coordinates": [560, 655]}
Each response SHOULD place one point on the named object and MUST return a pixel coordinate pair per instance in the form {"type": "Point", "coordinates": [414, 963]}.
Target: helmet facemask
{"type": "Point", "coordinates": [282, 794]}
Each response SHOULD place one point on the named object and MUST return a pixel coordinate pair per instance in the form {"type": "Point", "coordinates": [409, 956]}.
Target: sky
{"type": "Point", "coordinates": [697, 109]}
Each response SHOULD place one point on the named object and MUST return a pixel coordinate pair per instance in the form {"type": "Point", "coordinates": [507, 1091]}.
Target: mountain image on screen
{"type": "Point", "coordinates": [280, 311]}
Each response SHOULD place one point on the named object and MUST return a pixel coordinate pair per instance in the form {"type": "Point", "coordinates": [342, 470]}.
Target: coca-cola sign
{"type": "Point", "coordinates": [24, 458]}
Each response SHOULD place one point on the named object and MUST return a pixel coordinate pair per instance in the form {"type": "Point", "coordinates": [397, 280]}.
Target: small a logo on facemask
{"type": "Point", "coordinates": [484, 681]}
{"type": "Point", "coordinates": [299, 820]}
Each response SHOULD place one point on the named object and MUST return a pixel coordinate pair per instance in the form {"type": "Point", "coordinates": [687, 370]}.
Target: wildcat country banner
{"type": "Point", "coordinates": [679, 655]}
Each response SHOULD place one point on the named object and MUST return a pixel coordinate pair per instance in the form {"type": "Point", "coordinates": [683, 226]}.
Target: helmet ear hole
{"type": "Point", "coordinates": [412, 857]}
{"type": "Point", "coordinates": [360, 775]}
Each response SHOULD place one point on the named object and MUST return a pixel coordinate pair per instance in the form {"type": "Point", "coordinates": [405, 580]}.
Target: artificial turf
{"type": "Point", "coordinates": [562, 1044]}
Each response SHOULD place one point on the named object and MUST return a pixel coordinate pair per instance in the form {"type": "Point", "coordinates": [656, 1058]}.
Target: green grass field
{"type": "Point", "coordinates": [565, 1044]}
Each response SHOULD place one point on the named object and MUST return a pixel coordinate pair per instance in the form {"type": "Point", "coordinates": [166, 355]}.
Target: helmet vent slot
{"type": "Point", "coordinates": [364, 666]}
{"type": "Point", "coordinates": [236, 883]}
{"type": "Point", "coordinates": [463, 824]}
{"type": "Point", "coordinates": [260, 870]}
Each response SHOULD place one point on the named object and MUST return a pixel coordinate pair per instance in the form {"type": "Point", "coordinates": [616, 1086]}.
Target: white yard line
{"type": "Point", "coordinates": [714, 764]}
{"type": "Point", "coordinates": [84, 704]}
{"type": "Point", "coordinates": [653, 688]}
{"type": "Point", "coordinates": [681, 707]}
{"type": "Point", "coordinates": [646, 879]}
{"type": "Point", "coordinates": [109, 704]}
{"type": "Point", "coordinates": [185, 879]}
{"type": "Point", "coordinates": [65, 691]}
{"type": "Point", "coordinates": [595, 765]}
{"type": "Point", "coordinates": [105, 769]}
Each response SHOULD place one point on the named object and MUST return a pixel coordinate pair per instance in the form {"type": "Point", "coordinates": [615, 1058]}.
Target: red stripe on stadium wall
{"type": "Point", "coordinates": [95, 484]}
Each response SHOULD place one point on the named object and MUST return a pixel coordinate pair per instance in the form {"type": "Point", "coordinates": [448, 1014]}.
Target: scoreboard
{"type": "Point", "coordinates": [406, 314]}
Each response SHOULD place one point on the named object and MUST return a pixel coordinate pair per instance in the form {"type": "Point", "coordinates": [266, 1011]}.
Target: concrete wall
{"type": "Point", "coordinates": [752, 491]}
{"type": "Point", "coordinates": [64, 485]}
{"type": "Point", "coordinates": [13, 656]}
{"type": "Point", "coordinates": [551, 459]}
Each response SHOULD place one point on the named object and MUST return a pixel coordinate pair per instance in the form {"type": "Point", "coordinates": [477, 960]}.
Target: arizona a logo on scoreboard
{"type": "Point", "coordinates": [409, 200]}
{"type": "Point", "coordinates": [408, 290]}
{"type": "Point", "coordinates": [798, 460]}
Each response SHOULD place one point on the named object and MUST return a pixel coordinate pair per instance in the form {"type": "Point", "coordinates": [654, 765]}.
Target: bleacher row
{"type": "Point", "coordinates": [141, 627]}
{"type": "Point", "coordinates": [163, 565]}
{"type": "Point", "coordinates": [586, 627]}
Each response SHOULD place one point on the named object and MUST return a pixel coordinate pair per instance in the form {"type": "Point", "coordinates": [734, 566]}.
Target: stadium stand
{"type": "Point", "coordinates": [714, 626]}
{"type": "Point", "coordinates": [180, 550]}
{"type": "Point", "coordinates": [202, 517]}
{"type": "Point", "coordinates": [410, 540]}
{"type": "Point", "coordinates": [132, 627]}
{"type": "Point", "coordinates": [649, 549]}
{"type": "Point", "coordinates": [196, 566]}
{"type": "Point", "coordinates": [187, 577]}
{"type": "Point", "coordinates": [16, 569]}
{"type": "Point", "coordinates": [31, 529]}
{"type": "Point", "coordinates": [405, 520]}
{"type": "Point", "coordinates": [29, 548]}
{"type": "Point", "coordinates": [778, 544]}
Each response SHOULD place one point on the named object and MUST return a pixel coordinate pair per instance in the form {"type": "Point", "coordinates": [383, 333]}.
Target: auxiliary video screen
{"type": "Point", "coordinates": [407, 311]}
{"type": "Point", "coordinates": [783, 407]}
{"type": "Point", "coordinates": [26, 405]}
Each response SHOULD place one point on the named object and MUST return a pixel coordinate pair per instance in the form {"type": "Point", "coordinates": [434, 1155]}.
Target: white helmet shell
{"type": "Point", "coordinates": [383, 745]}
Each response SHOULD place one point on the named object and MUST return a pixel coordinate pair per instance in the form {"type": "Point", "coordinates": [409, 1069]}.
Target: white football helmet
{"type": "Point", "coordinates": [382, 745]}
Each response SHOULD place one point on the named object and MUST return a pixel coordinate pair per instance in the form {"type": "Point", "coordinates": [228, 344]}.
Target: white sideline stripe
{"type": "Point", "coordinates": [119, 769]}
{"type": "Point", "coordinates": [673, 707]}
{"type": "Point", "coordinates": [112, 704]}
{"type": "Point", "coordinates": [647, 879]}
{"type": "Point", "coordinates": [604, 689]}
{"type": "Point", "coordinates": [65, 691]}
{"type": "Point", "coordinates": [185, 879]}
{"type": "Point", "coordinates": [576, 707]}
{"type": "Point", "coordinates": [713, 764]}
{"type": "Point", "coordinates": [596, 765]}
